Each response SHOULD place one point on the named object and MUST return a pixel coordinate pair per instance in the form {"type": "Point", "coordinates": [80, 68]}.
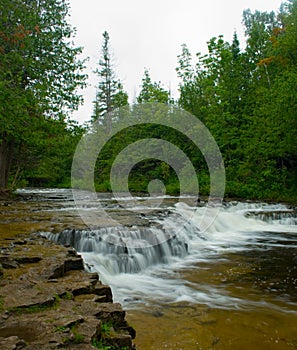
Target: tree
{"type": "Point", "coordinates": [258, 27]}
{"type": "Point", "coordinates": [53, 155]}
{"type": "Point", "coordinates": [246, 100]}
{"type": "Point", "coordinates": [39, 74]}
{"type": "Point", "coordinates": [110, 93]}
{"type": "Point", "coordinates": [275, 106]}
{"type": "Point", "coordinates": [192, 85]}
{"type": "Point", "coordinates": [152, 92]}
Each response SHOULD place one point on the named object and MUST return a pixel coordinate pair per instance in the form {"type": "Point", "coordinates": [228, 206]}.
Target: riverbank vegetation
{"type": "Point", "coordinates": [243, 92]}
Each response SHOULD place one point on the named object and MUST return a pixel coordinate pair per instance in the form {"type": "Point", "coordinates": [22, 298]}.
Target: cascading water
{"type": "Point", "coordinates": [142, 261]}
{"type": "Point", "coordinates": [211, 285]}
{"type": "Point", "coordinates": [122, 249]}
{"type": "Point", "coordinates": [281, 217]}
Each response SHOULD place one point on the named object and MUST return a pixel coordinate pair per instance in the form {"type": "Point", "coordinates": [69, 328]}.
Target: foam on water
{"type": "Point", "coordinates": [142, 263]}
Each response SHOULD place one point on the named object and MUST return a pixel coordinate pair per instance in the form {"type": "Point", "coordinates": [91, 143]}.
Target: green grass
{"type": "Point", "coordinates": [106, 331]}
{"type": "Point", "coordinates": [102, 346]}
{"type": "Point", "coordinates": [35, 308]}
{"type": "Point", "coordinates": [77, 339]}
{"type": "Point", "coordinates": [67, 296]}
{"type": "Point", "coordinates": [106, 328]}
{"type": "Point", "coordinates": [61, 329]}
{"type": "Point", "coordinates": [29, 309]}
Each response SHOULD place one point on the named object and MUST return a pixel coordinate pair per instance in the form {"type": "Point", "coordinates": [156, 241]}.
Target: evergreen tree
{"type": "Point", "coordinates": [39, 76]}
{"type": "Point", "coordinates": [152, 92]}
{"type": "Point", "coordinates": [110, 93]}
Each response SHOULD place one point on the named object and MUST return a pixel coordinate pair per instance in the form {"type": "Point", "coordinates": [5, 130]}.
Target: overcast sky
{"type": "Point", "coordinates": [150, 34]}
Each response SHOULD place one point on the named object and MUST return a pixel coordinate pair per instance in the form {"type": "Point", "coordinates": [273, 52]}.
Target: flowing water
{"type": "Point", "coordinates": [191, 275]}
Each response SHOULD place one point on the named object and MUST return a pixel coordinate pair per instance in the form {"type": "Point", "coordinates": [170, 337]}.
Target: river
{"type": "Point", "coordinates": [230, 285]}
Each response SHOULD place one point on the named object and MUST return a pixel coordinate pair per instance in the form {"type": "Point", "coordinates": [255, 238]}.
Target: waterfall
{"type": "Point", "coordinates": [147, 257]}
{"type": "Point", "coordinates": [174, 249]}
{"type": "Point", "coordinates": [281, 217]}
{"type": "Point", "coordinates": [122, 249]}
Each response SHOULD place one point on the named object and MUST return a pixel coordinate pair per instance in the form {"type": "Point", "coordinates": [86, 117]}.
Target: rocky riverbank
{"type": "Point", "coordinates": [48, 300]}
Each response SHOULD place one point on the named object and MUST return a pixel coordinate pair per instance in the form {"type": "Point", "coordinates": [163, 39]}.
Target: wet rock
{"type": "Point", "coordinates": [33, 304]}
{"type": "Point", "coordinates": [70, 264]}
{"type": "Point", "coordinates": [94, 276]}
{"type": "Point", "coordinates": [51, 302]}
{"type": "Point", "coordinates": [20, 242]}
{"type": "Point", "coordinates": [74, 264]}
{"type": "Point", "coordinates": [12, 343]}
{"type": "Point", "coordinates": [93, 332]}
{"type": "Point", "coordinates": [104, 292]}
{"type": "Point", "coordinates": [8, 263]}
{"type": "Point", "coordinates": [71, 252]}
{"type": "Point", "coordinates": [21, 344]}
{"type": "Point", "coordinates": [129, 330]}
{"type": "Point", "coordinates": [119, 341]}
{"type": "Point", "coordinates": [28, 259]}
{"type": "Point", "coordinates": [112, 313]}
{"type": "Point", "coordinates": [157, 313]}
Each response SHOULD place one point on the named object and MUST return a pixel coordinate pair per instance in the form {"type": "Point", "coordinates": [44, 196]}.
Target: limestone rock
{"type": "Point", "coordinates": [48, 301]}
{"type": "Point", "coordinates": [120, 341]}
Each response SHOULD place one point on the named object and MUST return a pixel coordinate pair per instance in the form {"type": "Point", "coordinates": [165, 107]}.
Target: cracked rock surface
{"type": "Point", "coordinates": [48, 300]}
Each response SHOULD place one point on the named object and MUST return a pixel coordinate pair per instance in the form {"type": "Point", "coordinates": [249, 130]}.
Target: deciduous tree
{"type": "Point", "coordinates": [39, 74]}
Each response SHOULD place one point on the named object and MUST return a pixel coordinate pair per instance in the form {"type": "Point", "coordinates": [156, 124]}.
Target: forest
{"type": "Point", "coordinates": [245, 94]}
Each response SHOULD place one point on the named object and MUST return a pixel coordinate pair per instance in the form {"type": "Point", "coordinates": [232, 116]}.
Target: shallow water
{"type": "Point", "coordinates": [230, 285]}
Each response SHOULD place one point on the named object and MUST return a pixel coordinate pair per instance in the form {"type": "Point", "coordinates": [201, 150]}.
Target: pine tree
{"type": "Point", "coordinates": [110, 93]}
{"type": "Point", "coordinates": [152, 91]}
{"type": "Point", "coordinates": [39, 76]}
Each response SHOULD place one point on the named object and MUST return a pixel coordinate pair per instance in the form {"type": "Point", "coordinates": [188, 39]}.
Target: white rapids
{"type": "Point", "coordinates": [143, 264]}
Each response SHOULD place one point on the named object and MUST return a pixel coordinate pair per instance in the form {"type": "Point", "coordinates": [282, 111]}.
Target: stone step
{"type": "Point", "coordinates": [48, 301]}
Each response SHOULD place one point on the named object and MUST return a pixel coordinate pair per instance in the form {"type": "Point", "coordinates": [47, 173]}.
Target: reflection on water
{"type": "Point", "coordinates": [232, 286]}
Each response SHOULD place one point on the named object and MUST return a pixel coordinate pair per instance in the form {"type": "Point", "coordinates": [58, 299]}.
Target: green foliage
{"type": "Point", "coordinates": [29, 310]}
{"type": "Point", "coordinates": [152, 92]}
{"type": "Point", "coordinates": [146, 170]}
{"type": "Point", "coordinates": [245, 98]}
{"type": "Point", "coordinates": [36, 308]}
{"type": "Point", "coordinates": [67, 296]}
{"type": "Point", "coordinates": [52, 156]}
{"type": "Point", "coordinates": [78, 338]}
{"type": "Point", "coordinates": [101, 345]}
{"type": "Point", "coordinates": [106, 328]}
{"type": "Point", "coordinates": [39, 77]}
{"type": "Point", "coordinates": [59, 329]}
{"type": "Point", "coordinates": [110, 93]}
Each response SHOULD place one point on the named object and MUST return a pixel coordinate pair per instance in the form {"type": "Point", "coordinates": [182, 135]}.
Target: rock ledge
{"type": "Point", "coordinates": [48, 301]}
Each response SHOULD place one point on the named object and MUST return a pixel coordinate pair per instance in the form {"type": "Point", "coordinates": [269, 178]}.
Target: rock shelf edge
{"type": "Point", "coordinates": [48, 300]}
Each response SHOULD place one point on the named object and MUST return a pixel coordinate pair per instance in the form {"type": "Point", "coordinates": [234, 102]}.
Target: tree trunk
{"type": "Point", "coordinates": [6, 148]}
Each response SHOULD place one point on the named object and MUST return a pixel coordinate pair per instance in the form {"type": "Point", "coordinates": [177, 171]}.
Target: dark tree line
{"type": "Point", "coordinates": [39, 76]}
{"type": "Point", "coordinates": [245, 96]}
{"type": "Point", "coordinates": [248, 101]}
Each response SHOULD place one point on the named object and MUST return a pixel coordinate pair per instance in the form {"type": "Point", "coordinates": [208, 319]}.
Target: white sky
{"type": "Point", "coordinates": [150, 34]}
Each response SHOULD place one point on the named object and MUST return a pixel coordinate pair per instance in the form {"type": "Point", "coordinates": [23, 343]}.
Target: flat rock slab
{"type": "Point", "coordinates": [48, 301]}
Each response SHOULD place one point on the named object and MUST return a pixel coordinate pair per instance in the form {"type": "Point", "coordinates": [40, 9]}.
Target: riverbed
{"type": "Point", "coordinates": [190, 275]}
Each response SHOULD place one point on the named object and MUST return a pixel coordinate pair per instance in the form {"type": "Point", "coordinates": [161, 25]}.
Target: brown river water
{"type": "Point", "coordinates": [233, 286]}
